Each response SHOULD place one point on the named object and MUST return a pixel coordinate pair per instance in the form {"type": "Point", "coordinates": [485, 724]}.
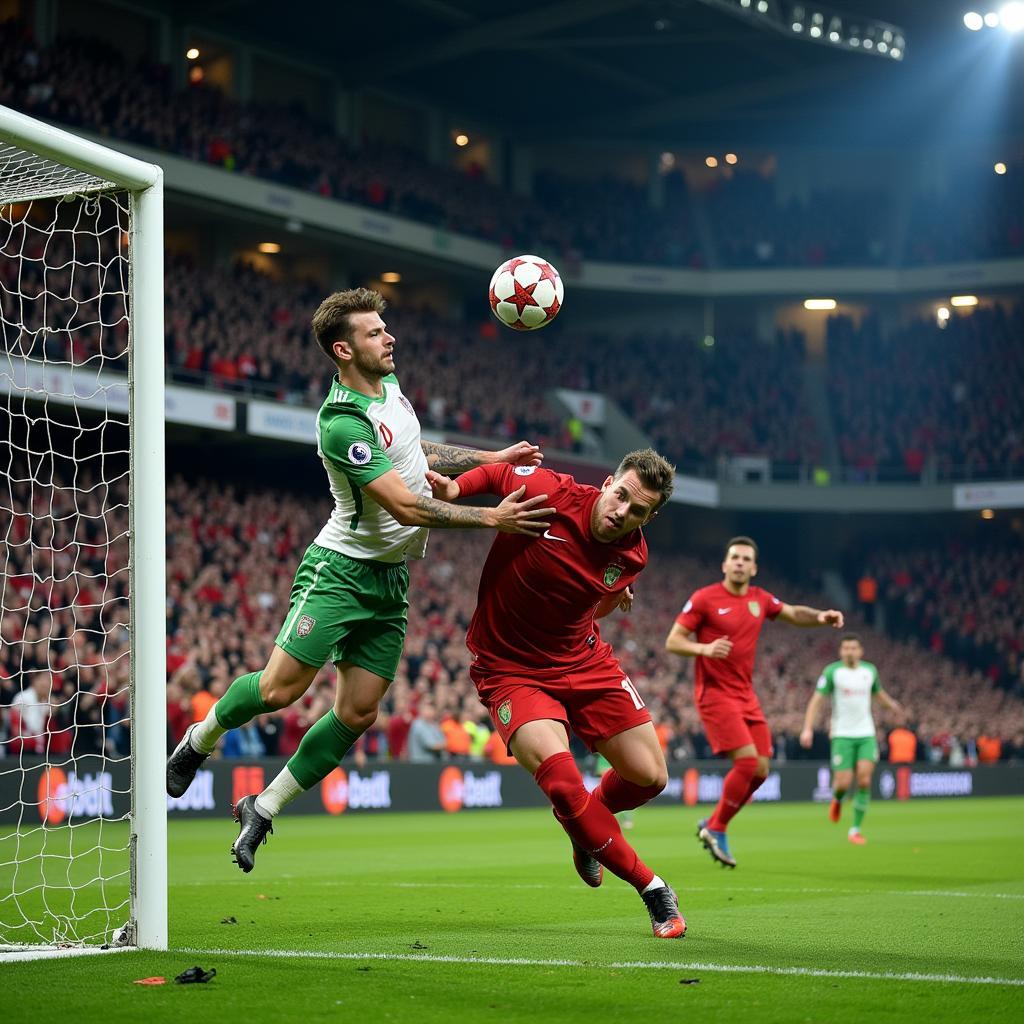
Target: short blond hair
{"type": "Point", "coordinates": [654, 471]}
{"type": "Point", "coordinates": [332, 320]}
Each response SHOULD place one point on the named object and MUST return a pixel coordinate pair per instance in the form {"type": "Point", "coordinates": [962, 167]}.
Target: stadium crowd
{"type": "Point", "coordinates": [926, 400]}
{"type": "Point", "coordinates": [64, 638]}
{"type": "Point", "coordinates": [961, 600]}
{"type": "Point", "coordinates": [833, 227]}
{"type": "Point", "coordinates": [231, 556]}
{"type": "Point", "coordinates": [86, 83]}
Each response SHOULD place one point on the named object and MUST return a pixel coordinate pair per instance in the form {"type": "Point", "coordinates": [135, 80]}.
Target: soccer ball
{"type": "Point", "coordinates": [526, 293]}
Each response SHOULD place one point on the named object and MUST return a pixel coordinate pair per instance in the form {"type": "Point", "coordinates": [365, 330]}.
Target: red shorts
{"type": "Point", "coordinates": [596, 702]}
{"type": "Point", "coordinates": [729, 725]}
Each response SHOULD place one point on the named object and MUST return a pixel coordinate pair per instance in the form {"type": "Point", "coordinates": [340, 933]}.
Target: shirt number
{"type": "Point", "coordinates": [638, 701]}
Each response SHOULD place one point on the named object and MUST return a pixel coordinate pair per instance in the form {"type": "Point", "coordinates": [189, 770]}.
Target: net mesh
{"type": "Point", "coordinates": [65, 771]}
{"type": "Point", "coordinates": [30, 176]}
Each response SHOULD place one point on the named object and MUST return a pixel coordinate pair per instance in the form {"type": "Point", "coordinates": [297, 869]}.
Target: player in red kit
{"type": "Point", "coordinates": [720, 626]}
{"type": "Point", "coordinates": [541, 667]}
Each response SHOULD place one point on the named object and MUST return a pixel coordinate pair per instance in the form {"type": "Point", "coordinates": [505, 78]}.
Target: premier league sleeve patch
{"type": "Point", "coordinates": [359, 453]}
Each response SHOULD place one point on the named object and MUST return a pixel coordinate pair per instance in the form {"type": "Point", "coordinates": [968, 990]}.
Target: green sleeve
{"type": "Point", "coordinates": [876, 683]}
{"type": "Point", "coordinates": [349, 443]}
{"type": "Point", "coordinates": [826, 683]}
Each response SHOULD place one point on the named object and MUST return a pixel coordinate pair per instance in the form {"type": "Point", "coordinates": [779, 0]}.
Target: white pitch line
{"type": "Point", "coordinates": [807, 972]}
{"type": "Point", "coordinates": [805, 890]}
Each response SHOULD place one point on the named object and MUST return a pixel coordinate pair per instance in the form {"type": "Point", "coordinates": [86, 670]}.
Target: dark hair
{"type": "Point", "coordinates": [654, 471]}
{"type": "Point", "coordinates": [746, 542]}
{"type": "Point", "coordinates": [852, 638]}
{"type": "Point", "coordinates": [331, 321]}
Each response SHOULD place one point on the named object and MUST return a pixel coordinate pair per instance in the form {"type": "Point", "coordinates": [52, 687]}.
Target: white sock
{"type": "Point", "coordinates": [283, 790]}
{"type": "Point", "coordinates": [657, 882]}
{"type": "Point", "coordinates": [204, 736]}
{"type": "Point", "coordinates": [853, 831]}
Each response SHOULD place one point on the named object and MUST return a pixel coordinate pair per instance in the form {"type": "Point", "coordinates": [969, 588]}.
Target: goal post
{"type": "Point", "coordinates": [53, 170]}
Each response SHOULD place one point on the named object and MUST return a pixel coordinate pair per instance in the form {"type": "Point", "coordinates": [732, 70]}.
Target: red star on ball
{"type": "Point", "coordinates": [523, 296]}
{"type": "Point", "coordinates": [548, 273]}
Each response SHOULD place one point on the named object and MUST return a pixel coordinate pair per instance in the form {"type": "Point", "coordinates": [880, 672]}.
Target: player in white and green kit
{"type": "Point", "coordinates": [349, 600]}
{"type": "Point", "coordinates": [852, 684]}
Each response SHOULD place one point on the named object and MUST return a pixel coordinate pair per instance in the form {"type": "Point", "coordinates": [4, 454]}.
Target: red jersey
{"type": "Point", "coordinates": [535, 607]}
{"type": "Point", "coordinates": [713, 612]}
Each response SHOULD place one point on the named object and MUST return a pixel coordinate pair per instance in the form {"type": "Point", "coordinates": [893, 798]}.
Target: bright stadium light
{"type": "Point", "coordinates": [819, 303]}
{"type": "Point", "coordinates": [964, 300]}
{"type": "Point", "coordinates": [1011, 17]}
{"type": "Point", "coordinates": [711, 161]}
{"type": "Point", "coordinates": [269, 247]}
{"type": "Point", "coordinates": [391, 277]}
{"type": "Point", "coordinates": [192, 53]}
{"type": "Point", "coordinates": [462, 139]}
{"type": "Point", "coordinates": [992, 19]}
{"type": "Point", "coordinates": [731, 158]}
{"type": "Point", "coordinates": [942, 315]}
{"type": "Point", "coordinates": [974, 21]}
{"type": "Point", "coordinates": [999, 168]}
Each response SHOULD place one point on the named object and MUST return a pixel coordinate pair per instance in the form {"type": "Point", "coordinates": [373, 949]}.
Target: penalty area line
{"type": "Point", "coordinates": [687, 965]}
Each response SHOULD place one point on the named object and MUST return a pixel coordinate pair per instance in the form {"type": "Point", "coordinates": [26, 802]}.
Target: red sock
{"type": "Point", "coordinates": [734, 792]}
{"type": "Point", "coordinates": [619, 794]}
{"type": "Point", "coordinates": [588, 822]}
{"type": "Point", "coordinates": [755, 785]}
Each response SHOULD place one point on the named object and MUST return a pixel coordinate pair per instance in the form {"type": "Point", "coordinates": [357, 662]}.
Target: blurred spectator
{"type": "Point", "coordinates": [902, 746]}
{"type": "Point", "coordinates": [427, 741]}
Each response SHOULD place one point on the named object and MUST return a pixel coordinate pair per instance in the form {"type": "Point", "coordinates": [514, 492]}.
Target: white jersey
{"type": "Point", "coordinates": [851, 690]}
{"type": "Point", "coordinates": [359, 438]}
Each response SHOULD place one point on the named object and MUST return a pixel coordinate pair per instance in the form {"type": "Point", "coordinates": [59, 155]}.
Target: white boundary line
{"type": "Point", "coordinates": [19, 956]}
{"type": "Point", "coordinates": [683, 965]}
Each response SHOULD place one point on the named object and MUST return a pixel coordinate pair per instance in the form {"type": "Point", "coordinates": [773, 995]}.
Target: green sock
{"type": "Point", "coordinates": [321, 750]}
{"type": "Point", "coordinates": [838, 794]}
{"type": "Point", "coordinates": [860, 806]}
{"type": "Point", "coordinates": [241, 703]}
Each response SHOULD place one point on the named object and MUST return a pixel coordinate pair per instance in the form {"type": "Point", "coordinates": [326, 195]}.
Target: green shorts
{"type": "Point", "coordinates": [846, 752]}
{"type": "Point", "coordinates": [343, 609]}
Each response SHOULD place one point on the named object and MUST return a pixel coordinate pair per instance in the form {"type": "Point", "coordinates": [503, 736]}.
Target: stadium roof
{"type": "Point", "coordinates": [659, 71]}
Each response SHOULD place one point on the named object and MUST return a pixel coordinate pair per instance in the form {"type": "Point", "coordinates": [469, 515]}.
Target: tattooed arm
{"type": "Point", "coordinates": [511, 516]}
{"type": "Point", "coordinates": [447, 458]}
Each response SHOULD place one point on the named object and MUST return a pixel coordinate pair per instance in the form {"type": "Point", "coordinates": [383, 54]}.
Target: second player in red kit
{"type": "Point", "coordinates": [541, 667]}
{"type": "Point", "coordinates": [720, 626]}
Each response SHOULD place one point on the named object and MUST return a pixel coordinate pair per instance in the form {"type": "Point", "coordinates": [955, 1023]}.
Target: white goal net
{"type": "Point", "coordinates": [77, 865]}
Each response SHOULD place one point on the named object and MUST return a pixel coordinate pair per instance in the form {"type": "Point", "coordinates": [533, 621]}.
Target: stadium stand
{"type": "Point", "coordinates": [924, 400]}
{"type": "Point", "coordinates": [751, 225]}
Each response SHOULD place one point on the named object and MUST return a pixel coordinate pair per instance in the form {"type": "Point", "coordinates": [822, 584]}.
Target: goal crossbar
{"type": "Point", "coordinates": [144, 183]}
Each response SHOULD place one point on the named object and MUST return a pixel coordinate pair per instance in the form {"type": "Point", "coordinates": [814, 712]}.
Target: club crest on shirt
{"type": "Point", "coordinates": [305, 625]}
{"type": "Point", "coordinates": [612, 574]}
{"type": "Point", "coordinates": [755, 608]}
{"type": "Point", "coordinates": [505, 711]}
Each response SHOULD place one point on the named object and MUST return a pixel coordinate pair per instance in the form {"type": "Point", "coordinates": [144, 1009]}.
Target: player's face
{"type": "Point", "coordinates": [623, 505]}
{"type": "Point", "coordinates": [740, 565]}
{"type": "Point", "coordinates": [850, 652]}
{"type": "Point", "coordinates": [371, 348]}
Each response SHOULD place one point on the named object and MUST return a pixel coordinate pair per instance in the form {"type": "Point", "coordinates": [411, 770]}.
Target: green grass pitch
{"type": "Point", "coordinates": [480, 917]}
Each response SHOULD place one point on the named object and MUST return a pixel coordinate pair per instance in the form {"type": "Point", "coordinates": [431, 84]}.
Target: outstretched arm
{"type": "Point", "coordinates": [801, 615]}
{"type": "Point", "coordinates": [807, 734]}
{"type": "Point", "coordinates": [511, 516]}
{"type": "Point", "coordinates": [890, 703]}
{"type": "Point", "coordinates": [449, 458]}
{"type": "Point", "coordinates": [681, 641]}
